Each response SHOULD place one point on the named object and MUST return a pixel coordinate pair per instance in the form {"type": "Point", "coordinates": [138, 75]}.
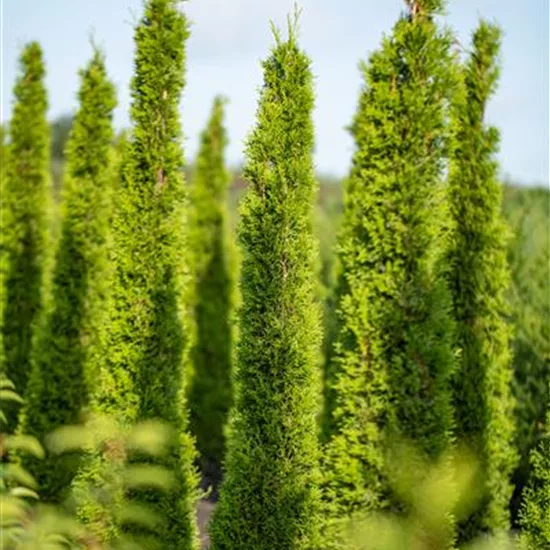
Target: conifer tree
{"type": "Point", "coordinates": [535, 514]}
{"type": "Point", "coordinates": [26, 205]}
{"type": "Point", "coordinates": [394, 353]}
{"type": "Point", "coordinates": [479, 278]}
{"type": "Point", "coordinates": [270, 497]}
{"type": "Point", "coordinates": [210, 393]}
{"type": "Point", "coordinates": [68, 350]}
{"type": "Point", "coordinates": [148, 341]}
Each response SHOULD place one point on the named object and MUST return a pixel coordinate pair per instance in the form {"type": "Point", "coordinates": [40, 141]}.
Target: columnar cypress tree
{"type": "Point", "coordinates": [148, 343]}
{"type": "Point", "coordinates": [269, 497]}
{"type": "Point", "coordinates": [69, 347]}
{"type": "Point", "coordinates": [535, 514]}
{"type": "Point", "coordinates": [479, 279]}
{"type": "Point", "coordinates": [26, 198]}
{"type": "Point", "coordinates": [211, 393]}
{"type": "Point", "coordinates": [391, 378]}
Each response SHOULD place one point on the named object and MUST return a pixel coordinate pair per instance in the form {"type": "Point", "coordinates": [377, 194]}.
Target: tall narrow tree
{"type": "Point", "coordinates": [148, 343]}
{"type": "Point", "coordinates": [26, 201]}
{"type": "Point", "coordinates": [210, 394]}
{"type": "Point", "coordinates": [270, 496]}
{"type": "Point", "coordinates": [479, 279]}
{"type": "Point", "coordinates": [391, 377]}
{"type": "Point", "coordinates": [68, 350]}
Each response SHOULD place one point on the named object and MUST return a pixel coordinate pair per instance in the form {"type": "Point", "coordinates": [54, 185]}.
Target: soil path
{"type": "Point", "coordinates": [204, 512]}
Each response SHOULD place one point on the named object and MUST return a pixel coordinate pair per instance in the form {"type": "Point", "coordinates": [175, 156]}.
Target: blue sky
{"type": "Point", "coordinates": [230, 37]}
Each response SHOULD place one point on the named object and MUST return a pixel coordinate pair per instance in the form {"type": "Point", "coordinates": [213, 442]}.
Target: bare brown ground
{"type": "Point", "coordinates": [204, 512]}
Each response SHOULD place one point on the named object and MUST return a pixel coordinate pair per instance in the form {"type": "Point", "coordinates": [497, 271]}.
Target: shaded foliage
{"type": "Point", "coordinates": [70, 345]}
{"type": "Point", "coordinates": [479, 278]}
{"type": "Point", "coordinates": [528, 214]}
{"type": "Point", "coordinates": [25, 219]}
{"type": "Point", "coordinates": [210, 393]}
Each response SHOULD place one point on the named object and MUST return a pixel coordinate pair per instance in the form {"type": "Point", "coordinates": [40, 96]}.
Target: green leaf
{"type": "Point", "coordinates": [69, 438]}
{"type": "Point", "coordinates": [150, 437]}
{"type": "Point", "coordinates": [26, 444]}
{"type": "Point", "coordinates": [18, 474]}
{"type": "Point", "coordinates": [24, 492]}
{"type": "Point", "coordinates": [140, 515]}
{"type": "Point", "coordinates": [9, 395]}
{"type": "Point", "coordinates": [143, 477]}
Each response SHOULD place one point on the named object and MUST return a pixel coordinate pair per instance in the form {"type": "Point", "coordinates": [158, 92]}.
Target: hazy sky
{"type": "Point", "coordinates": [230, 37]}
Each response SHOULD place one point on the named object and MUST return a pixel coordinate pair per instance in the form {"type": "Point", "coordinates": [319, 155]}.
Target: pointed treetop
{"type": "Point", "coordinates": [419, 8]}
{"type": "Point", "coordinates": [32, 52]}
{"type": "Point", "coordinates": [293, 26]}
{"type": "Point", "coordinates": [32, 66]}
{"type": "Point", "coordinates": [484, 64]}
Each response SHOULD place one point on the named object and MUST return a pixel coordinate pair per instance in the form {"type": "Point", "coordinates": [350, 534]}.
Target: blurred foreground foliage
{"type": "Point", "coordinates": [436, 495]}
{"type": "Point", "coordinates": [26, 524]}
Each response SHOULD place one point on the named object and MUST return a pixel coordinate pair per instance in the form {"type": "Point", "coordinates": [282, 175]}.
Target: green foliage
{"type": "Point", "coordinates": [60, 130]}
{"type": "Point", "coordinates": [479, 278]}
{"type": "Point", "coordinates": [70, 346]}
{"type": "Point", "coordinates": [26, 202]}
{"type": "Point", "coordinates": [148, 335]}
{"type": "Point", "coordinates": [270, 496]}
{"type": "Point", "coordinates": [29, 525]}
{"type": "Point", "coordinates": [3, 252]}
{"type": "Point", "coordinates": [113, 490]}
{"type": "Point", "coordinates": [26, 524]}
{"type": "Point", "coordinates": [535, 513]}
{"type": "Point", "coordinates": [425, 8]}
{"type": "Point", "coordinates": [210, 393]}
{"type": "Point", "coordinates": [432, 491]}
{"type": "Point", "coordinates": [528, 214]}
{"type": "Point", "coordinates": [329, 213]}
{"type": "Point", "coordinates": [394, 354]}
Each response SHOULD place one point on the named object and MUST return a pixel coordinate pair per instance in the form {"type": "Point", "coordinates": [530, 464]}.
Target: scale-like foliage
{"type": "Point", "coordinates": [148, 341]}
{"type": "Point", "coordinates": [535, 514]}
{"type": "Point", "coordinates": [210, 393]}
{"type": "Point", "coordinates": [25, 210]}
{"type": "Point", "coordinates": [270, 497]}
{"type": "Point", "coordinates": [394, 354]}
{"type": "Point", "coordinates": [69, 347]}
{"type": "Point", "coordinates": [479, 278]}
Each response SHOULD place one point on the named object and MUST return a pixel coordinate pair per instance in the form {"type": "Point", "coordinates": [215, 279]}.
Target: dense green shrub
{"type": "Point", "coordinates": [148, 335]}
{"type": "Point", "coordinates": [535, 513]}
{"type": "Point", "coordinates": [479, 278]}
{"type": "Point", "coordinates": [210, 393]}
{"type": "Point", "coordinates": [270, 497]}
{"type": "Point", "coordinates": [391, 376]}
{"type": "Point", "coordinates": [69, 347]}
{"type": "Point", "coordinates": [25, 228]}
